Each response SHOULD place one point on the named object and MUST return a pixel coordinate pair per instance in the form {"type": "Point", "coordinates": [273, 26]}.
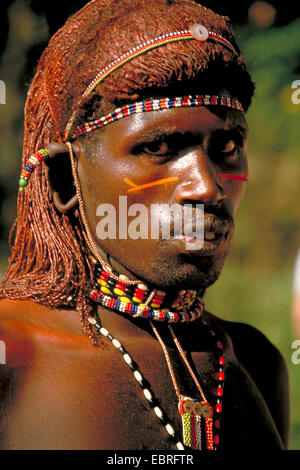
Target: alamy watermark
{"type": "Point", "coordinates": [160, 221]}
{"type": "Point", "coordinates": [296, 93]}
{"type": "Point", "coordinates": [296, 354]}
{"type": "Point", "coordinates": [2, 352]}
{"type": "Point", "coordinates": [2, 92]}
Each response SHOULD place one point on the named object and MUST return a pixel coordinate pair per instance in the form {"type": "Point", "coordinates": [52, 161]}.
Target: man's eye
{"type": "Point", "coordinates": [229, 148]}
{"type": "Point", "coordinates": [156, 148]}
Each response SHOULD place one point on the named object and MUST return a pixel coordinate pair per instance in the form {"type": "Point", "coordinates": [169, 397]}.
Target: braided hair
{"type": "Point", "coordinates": [49, 260]}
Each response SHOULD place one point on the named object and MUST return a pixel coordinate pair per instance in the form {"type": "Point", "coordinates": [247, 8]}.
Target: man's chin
{"type": "Point", "coordinates": [172, 269]}
{"type": "Point", "coordinates": [195, 273]}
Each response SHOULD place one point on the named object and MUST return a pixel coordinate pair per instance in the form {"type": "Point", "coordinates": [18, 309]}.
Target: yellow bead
{"type": "Point", "coordinates": [125, 299]}
{"type": "Point", "coordinates": [105, 290]}
{"type": "Point", "coordinates": [135, 299]}
{"type": "Point", "coordinates": [160, 293]}
{"type": "Point", "coordinates": [142, 287]}
{"type": "Point", "coordinates": [102, 283]}
{"type": "Point", "coordinates": [155, 305]}
{"type": "Point", "coordinates": [118, 291]}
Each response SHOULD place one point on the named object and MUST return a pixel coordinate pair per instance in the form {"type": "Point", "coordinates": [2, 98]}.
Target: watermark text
{"type": "Point", "coordinates": [296, 93]}
{"type": "Point", "coordinates": [296, 354]}
{"type": "Point", "coordinates": [2, 92]}
{"type": "Point", "coordinates": [2, 352]}
{"type": "Point", "coordinates": [160, 221]}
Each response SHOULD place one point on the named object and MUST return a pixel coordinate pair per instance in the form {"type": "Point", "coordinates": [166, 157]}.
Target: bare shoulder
{"type": "Point", "coordinates": [27, 328]}
{"type": "Point", "coordinates": [252, 347]}
{"type": "Point", "coordinates": [15, 342]}
{"type": "Point", "coordinates": [266, 366]}
{"type": "Point", "coordinates": [15, 352]}
{"type": "Point", "coordinates": [50, 375]}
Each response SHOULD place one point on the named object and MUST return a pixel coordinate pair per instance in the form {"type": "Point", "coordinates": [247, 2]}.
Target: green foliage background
{"type": "Point", "coordinates": [256, 284]}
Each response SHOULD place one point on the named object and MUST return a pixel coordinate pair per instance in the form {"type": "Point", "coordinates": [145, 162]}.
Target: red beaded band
{"type": "Point", "coordinates": [157, 105]}
{"type": "Point", "coordinates": [197, 31]}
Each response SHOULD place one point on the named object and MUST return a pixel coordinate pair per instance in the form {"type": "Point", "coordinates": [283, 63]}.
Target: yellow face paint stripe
{"type": "Point", "coordinates": [130, 183]}
{"type": "Point", "coordinates": [149, 185]}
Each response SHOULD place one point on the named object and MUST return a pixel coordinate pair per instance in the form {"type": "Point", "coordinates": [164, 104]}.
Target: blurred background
{"type": "Point", "coordinates": [256, 284]}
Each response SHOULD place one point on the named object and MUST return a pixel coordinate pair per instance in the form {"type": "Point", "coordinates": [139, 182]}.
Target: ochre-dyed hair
{"type": "Point", "coordinates": [49, 260]}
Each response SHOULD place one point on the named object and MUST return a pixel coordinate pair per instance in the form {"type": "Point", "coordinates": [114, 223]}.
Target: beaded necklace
{"type": "Point", "coordinates": [115, 293]}
{"type": "Point", "coordinates": [153, 402]}
{"type": "Point", "coordinates": [200, 429]}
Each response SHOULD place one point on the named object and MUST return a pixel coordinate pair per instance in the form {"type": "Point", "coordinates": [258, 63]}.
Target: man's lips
{"type": "Point", "coordinates": [216, 224]}
{"type": "Point", "coordinates": [215, 235]}
{"type": "Point", "coordinates": [211, 228]}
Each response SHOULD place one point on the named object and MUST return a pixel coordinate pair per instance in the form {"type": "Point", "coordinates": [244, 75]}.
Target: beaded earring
{"type": "Point", "coordinates": [29, 167]}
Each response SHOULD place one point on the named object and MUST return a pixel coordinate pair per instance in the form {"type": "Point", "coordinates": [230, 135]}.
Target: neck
{"type": "Point", "coordinates": [120, 269]}
{"type": "Point", "coordinates": [138, 330]}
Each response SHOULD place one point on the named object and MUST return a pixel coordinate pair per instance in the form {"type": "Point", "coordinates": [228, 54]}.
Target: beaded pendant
{"type": "Point", "coordinates": [196, 421]}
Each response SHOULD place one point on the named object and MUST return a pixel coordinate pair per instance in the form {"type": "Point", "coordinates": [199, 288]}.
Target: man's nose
{"type": "Point", "coordinates": [200, 183]}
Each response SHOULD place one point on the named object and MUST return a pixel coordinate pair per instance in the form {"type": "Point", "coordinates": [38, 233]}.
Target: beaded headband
{"type": "Point", "coordinates": [156, 105]}
{"type": "Point", "coordinates": [127, 110]}
{"type": "Point", "coordinates": [198, 32]}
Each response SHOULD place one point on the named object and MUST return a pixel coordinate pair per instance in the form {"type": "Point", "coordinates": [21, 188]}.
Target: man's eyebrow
{"type": "Point", "coordinates": [145, 136]}
{"type": "Point", "coordinates": [155, 134]}
{"type": "Point", "coordinates": [240, 130]}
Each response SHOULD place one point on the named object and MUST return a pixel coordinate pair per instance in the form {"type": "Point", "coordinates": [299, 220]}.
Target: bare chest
{"type": "Point", "coordinates": [92, 399]}
{"type": "Point", "coordinates": [77, 399]}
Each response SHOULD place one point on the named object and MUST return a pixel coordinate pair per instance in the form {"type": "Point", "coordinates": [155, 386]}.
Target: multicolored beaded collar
{"type": "Point", "coordinates": [137, 300]}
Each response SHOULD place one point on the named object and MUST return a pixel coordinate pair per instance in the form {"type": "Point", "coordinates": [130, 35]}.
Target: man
{"type": "Point", "coordinates": [146, 100]}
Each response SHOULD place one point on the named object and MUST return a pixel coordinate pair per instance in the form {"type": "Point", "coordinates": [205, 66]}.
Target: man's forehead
{"type": "Point", "coordinates": [181, 120]}
{"type": "Point", "coordinates": [236, 119]}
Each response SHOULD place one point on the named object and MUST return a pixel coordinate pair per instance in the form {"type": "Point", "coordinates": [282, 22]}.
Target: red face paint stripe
{"type": "Point", "coordinates": [234, 177]}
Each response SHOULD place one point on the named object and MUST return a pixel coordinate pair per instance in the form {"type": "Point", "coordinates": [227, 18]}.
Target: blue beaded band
{"type": "Point", "coordinates": [157, 105]}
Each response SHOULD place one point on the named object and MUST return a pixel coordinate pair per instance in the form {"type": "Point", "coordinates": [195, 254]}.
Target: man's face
{"type": "Point", "coordinates": [203, 150]}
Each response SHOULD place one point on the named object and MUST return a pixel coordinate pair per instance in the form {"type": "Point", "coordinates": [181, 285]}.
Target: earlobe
{"type": "Point", "coordinates": [60, 176]}
{"type": "Point", "coordinates": [64, 208]}
{"type": "Point", "coordinates": [56, 148]}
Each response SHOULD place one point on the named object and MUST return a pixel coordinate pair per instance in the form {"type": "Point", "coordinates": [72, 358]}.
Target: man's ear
{"type": "Point", "coordinates": [60, 175]}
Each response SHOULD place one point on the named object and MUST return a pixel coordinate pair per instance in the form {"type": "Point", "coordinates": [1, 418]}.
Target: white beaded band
{"type": "Point", "coordinates": [142, 382]}
{"type": "Point", "coordinates": [197, 32]}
